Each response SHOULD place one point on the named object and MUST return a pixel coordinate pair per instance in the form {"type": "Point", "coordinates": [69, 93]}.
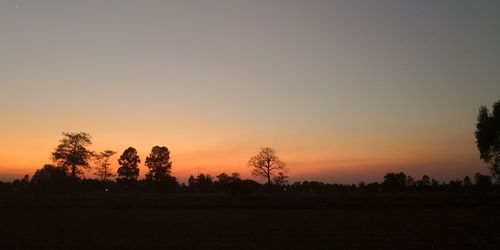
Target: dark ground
{"type": "Point", "coordinates": [254, 228]}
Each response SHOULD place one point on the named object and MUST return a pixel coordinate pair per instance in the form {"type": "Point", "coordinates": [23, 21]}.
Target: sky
{"type": "Point", "coordinates": [344, 91]}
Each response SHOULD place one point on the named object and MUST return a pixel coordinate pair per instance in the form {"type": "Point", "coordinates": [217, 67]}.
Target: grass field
{"type": "Point", "coordinates": [336, 228]}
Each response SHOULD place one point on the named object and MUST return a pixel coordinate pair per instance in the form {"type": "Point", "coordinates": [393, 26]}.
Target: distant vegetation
{"type": "Point", "coordinates": [73, 156]}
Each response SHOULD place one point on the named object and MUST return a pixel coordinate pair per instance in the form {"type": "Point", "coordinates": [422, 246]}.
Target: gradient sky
{"type": "Point", "coordinates": [343, 90]}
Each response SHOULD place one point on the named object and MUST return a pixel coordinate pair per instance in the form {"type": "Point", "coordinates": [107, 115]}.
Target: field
{"type": "Point", "coordinates": [255, 228]}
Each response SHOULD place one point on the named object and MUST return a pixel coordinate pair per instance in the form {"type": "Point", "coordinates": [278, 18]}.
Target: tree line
{"type": "Point", "coordinates": [53, 180]}
{"type": "Point", "coordinates": [72, 157]}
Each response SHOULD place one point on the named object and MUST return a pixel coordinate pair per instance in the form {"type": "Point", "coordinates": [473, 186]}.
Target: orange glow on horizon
{"type": "Point", "coordinates": [332, 162]}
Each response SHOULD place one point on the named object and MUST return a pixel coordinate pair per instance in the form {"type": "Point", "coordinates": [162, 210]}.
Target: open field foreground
{"type": "Point", "coordinates": [163, 228]}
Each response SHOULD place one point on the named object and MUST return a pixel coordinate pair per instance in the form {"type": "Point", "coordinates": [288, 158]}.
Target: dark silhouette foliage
{"type": "Point", "coordinates": [245, 188]}
{"type": "Point", "coordinates": [455, 186]}
{"type": "Point", "coordinates": [129, 166]}
{"type": "Point", "coordinates": [488, 136]}
{"type": "Point", "coordinates": [225, 181]}
{"type": "Point", "coordinates": [50, 178]}
{"type": "Point", "coordinates": [394, 182]}
{"type": "Point", "coordinates": [424, 183]}
{"type": "Point", "coordinates": [62, 179]}
{"type": "Point", "coordinates": [159, 164]}
{"type": "Point", "coordinates": [103, 170]}
{"type": "Point", "coordinates": [72, 153]}
{"type": "Point", "coordinates": [483, 182]}
{"type": "Point", "coordinates": [166, 185]}
{"type": "Point", "coordinates": [21, 185]}
{"type": "Point", "coordinates": [467, 181]}
{"type": "Point", "coordinates": [373, 187]}
{"type": "Point", "coordinates": [202, 183]}
{"type": "Point", "coordinates": [281, 179]}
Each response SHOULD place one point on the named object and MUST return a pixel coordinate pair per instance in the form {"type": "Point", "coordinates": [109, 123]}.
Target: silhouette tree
{"type": "Point", "coordinates": [72, 153]}
{"type": "Point", "coordinates": [191, 181]}
{"type": "Point", "coordinates": [373, 187]}
{"type": "Point", "coordinates": [483, 182]}
{"type": "Point", "coordinates": [488, 137]}
{"type": "Point", "coordinates": [467, 181]}
{"type": "Point", "coordinates": [50, 178]}
{"type": "Point", "coordinates": [235, 177]}
{"type": "Point", "coordinates": [455, 186]}
{"type": "Point", "coordinates": [280, 180]}
{"type": "Point", "coordinates": [159, 164]}
{"type": "Point", "coordinates": [424, 182]}
{"type": "Point", "coordinates": [47, 172]}
{"type": "Point", "coordinates": [224, 179]}
{"type": "Point", "coordinates": [103, 171]}
{"type": "Point", "coordinates": [434, 183]}
{"type": "Point", "coordinates": [265, 163]}
{"type": "Point", "coordinates": [21, 184]}
{"type": "Point", "coordinates": [394, 181]}
{"type": "Point", "coordinates": [202, 182]}
{"type": "Point", "coordinates": [129, 162]}
{"type": "Point", "coordinates": [410, 182]}
{"type": "Point", "coordinates": [226, 182]}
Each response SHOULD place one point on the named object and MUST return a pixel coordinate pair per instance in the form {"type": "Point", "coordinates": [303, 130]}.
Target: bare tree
{"type": "Point", "coordinates": [265, 163]}
{"type": "Point", "coordinates": [103, 171]}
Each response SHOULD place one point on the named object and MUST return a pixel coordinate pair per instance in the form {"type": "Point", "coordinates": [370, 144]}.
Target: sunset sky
{"type": "Point", "coordinates": [343, 90]}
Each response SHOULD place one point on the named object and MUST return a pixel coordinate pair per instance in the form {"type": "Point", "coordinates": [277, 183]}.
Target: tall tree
{"type": "Point", "coordinates": [72, 153]}
{"type": "Point", "coordinates": [488, 137]}
{"type": "Point", "coordinates": [129, 162]}
{"type": "Point", "coordinates": [159, 164]}
{"type": "Point", "coordinates": [265, 163]}
{"type": "Point", "coordinates": [103, 170]}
